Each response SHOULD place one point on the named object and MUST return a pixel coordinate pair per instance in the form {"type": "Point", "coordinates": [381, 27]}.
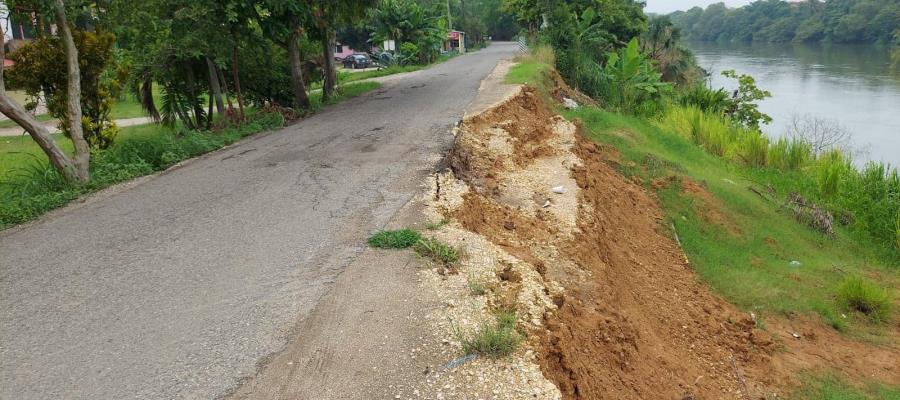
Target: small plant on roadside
{"type": "Point", "coordinates": [496, 339]}
{"type": "Point", "coordinates": [437, 225]}
{"type": "Point", "coordinates": [476, 286]}
{"type": "Point", "coordinates": [433, 249]}
{"type": "Point", "coordinates": [399, 239]}
{"type": "Point", "coordinates": [868, 298]}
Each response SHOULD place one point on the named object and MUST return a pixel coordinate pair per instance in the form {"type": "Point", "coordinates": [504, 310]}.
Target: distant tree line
{"type": "Point", "coordinates": [808, 21]}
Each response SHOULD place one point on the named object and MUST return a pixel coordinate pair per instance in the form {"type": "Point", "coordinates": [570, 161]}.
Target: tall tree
{"type": "Point", "coordinates": [284, 25]}
{"type": "Point", "coordinates": [58, 159]}
{"type": "Point", "coordinates": [326, 14]}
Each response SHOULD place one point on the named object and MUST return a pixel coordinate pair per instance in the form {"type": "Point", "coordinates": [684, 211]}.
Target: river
{"type": "Point", "coordinates": [853, 85]}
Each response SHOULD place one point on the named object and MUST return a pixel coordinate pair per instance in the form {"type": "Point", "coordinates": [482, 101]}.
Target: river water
{"type": "Point", "coordinates": [854, 85]}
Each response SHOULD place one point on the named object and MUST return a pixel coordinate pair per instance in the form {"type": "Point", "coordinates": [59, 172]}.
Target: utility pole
{"type": "Point", "coordinates": [449, 22]}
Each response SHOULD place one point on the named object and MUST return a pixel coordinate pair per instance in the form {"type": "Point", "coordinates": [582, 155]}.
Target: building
{"type": "Point", "coordinates": [456, 41]}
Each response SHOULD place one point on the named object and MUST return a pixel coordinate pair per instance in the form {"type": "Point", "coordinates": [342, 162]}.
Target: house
{"type": "Point", "coordinates": [341, 51]}
{"type": "Point", "coordinates": [456, 41]}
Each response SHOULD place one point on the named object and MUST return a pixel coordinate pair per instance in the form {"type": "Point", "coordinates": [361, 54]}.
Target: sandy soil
{"type": "Point", "coordinates": [612, 307]}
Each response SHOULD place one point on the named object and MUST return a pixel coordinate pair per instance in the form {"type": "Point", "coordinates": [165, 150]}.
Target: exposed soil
{"type": "Point", "coordinates": [633, 321]}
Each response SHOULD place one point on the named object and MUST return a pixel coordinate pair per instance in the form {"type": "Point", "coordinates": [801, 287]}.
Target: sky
{"type": "Point", "coordinates": [667, 6]}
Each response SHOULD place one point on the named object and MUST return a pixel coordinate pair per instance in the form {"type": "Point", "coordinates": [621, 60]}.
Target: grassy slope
{"type": "Point", "coordinates": [747, 259]}
{"type": "Point", "coordinates": [28, 190]}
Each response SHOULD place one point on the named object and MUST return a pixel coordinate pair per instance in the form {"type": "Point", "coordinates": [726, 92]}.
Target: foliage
{"type": "Point", "coordinates": [494, 339]}
{"type": "Point", "coordinates": [713, 101]}
{"type": "Point", "coordinates": [743, 107]}
{"type": "Point", "coordinates": [408, 23]}
{"type": "Point", "coordinates": [39, 72]}
{"type": "Point", "coordinates": [662, 43]}
{"type": "Point", "coordinates": [858, 294]}
{"type": "Point", "coordinates": [436, 251]}
{"type": "Point", "coordinates": [399, 239]}
{"type": "Point", "coordinates": [630, 83]}
{"type": "Point", "coordinates": [837, 21]}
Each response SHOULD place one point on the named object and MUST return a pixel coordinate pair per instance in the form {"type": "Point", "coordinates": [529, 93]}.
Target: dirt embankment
{"type": "Point", "coordinates": [628, 318]}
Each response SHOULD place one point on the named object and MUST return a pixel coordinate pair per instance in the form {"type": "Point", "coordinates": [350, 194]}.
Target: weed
{"type": "Point", "coordinates": [399, 239]}
{"type": "Point", "coordinates": [436, 225]}
{"type": "Point", "coordinates": [433, 249]}
{"type": "Point", "coordinates": [476, 286]}
{"type": "Point", "coordinates": [496, 339]}
{"type": "Point", "coordinates": [861, 295]}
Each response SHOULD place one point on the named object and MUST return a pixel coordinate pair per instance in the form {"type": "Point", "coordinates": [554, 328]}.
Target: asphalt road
{"type": "Point", "coordinates": [181, 285]}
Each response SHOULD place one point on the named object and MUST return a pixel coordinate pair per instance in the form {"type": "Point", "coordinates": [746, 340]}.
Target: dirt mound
{"type": "Point", "coordinates": [629, 318]}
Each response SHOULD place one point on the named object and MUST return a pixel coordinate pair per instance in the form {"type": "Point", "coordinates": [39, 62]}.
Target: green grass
{"type": "Point", "coordinates": [496, 339]}
{"type": "Point", "coordinates": [30, 188]}
{"type": "Point", "coordinates": [399, 239]}
{"type": "Point", "coordinates": [833, 388]}
{"type": "Point", "coordinates": [128, 107]}
{"type": "Point", "coordinates": [436, 251]}
{"type": "Point", "coordinates": [857, 293]}
{"type": "Point", "coordinates": [526, 72]}
{"type": "Point", "coordinates": [748, 260]}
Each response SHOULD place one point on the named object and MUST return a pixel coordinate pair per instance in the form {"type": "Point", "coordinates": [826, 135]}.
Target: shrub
{"type": "Point", "coordinates": [495, 339]}
{"type": "Point", "coordinates": [399, 239]}
{"type": "Point", "coordinates": [433, 249]}
{"type": "Point", "coordinates": [753, 148]}
{"type": "Point", "coordinates": [861, 295]}
{"type": "Point", "coordinates": [787, 154]}
{"type": "Point", "coordinates": [706, 99]}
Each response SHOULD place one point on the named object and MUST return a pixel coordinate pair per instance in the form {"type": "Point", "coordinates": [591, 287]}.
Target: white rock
{"type": "Point", "coordinates": [559, 189]}
{"type": "Point", "coordinates": [569, 103]}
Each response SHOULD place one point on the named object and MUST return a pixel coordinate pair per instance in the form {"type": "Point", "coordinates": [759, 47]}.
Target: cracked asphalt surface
{"type": "Point", "coordinates": [181, 285]}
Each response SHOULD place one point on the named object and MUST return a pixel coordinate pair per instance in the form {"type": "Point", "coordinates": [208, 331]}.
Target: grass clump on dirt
{"type": "Point", "coordinates": [436, 251]}
{"type": "Point", "coordinates": [476, 286]}
{"type": "Point", "coordinates": [866, 297]}
{"type": "Point", "coordinates": [496, 339]}
{"type": "Point", "coordinates": [399, 239]}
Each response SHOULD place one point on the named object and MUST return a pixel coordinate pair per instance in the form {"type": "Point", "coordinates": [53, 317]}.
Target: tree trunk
{"type": "Point", "coordinates": [301, 100]}
{"type": "Point", "coordinates": [224, 87]}
{"type": "Point", "coordinates": [330, 82]}
{"type": "Point", "coordinates": [215, 89]}
{"type": "Point", "coordinates": [82, 157]}
{"type": "Point", "coordinates": [192, 92]}
{"type": "Point", "coordinates": [237, 79]}
{"type": "Point", "coordinates": [37, 130]}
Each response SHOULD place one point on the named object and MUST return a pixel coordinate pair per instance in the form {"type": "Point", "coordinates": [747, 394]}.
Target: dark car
{"type": "Point", "coordinates": [355, 61]}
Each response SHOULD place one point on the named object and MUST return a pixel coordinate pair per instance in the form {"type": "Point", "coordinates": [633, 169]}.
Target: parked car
{"type": "Point", "coordinates": [356, 61]}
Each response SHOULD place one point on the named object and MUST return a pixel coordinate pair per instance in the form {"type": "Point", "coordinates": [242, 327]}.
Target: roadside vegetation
{"type": "Point", "coordinates": [196, 69]}
{"type": "Point", "coordinates": [399, 239]}
{"type": "Point", "coordinates": [494, 339]}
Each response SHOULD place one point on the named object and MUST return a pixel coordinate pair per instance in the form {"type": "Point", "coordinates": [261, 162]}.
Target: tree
{"type": "Point", "coordinates": [326, 14]}
{"type": "Point", "coordinates": [284, 25]}
{"type": "Point", "coordinates": [60, 161]}
{"type": "Point", "coordinates": [76, 169]}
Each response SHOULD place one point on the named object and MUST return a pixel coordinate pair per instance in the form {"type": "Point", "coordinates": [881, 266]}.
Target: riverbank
{"type": "Point", "coordinates": [696, 262]}
{"type": "Point", "coordinates": [852, 86]}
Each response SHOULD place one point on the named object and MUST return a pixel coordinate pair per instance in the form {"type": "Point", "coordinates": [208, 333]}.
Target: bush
{"type": "Point", "coordinates": [861, 295]}
{"type": "Point", "coordinates": [495, 340]}
{"type": "Point", "coordinates": [399, 239]}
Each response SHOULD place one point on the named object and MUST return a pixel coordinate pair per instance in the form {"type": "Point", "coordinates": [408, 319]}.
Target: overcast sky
{"type": "Point", "coordinates": [667, 6]}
